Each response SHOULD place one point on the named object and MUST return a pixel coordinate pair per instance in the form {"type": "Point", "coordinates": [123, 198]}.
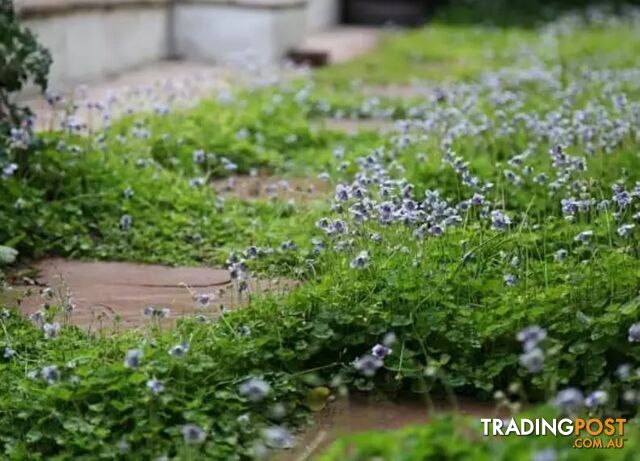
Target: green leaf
{"type": "Point", "coordinates": [7, 255]}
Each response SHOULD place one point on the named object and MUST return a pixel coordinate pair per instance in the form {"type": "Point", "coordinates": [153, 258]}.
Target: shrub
{"type": "Point", "coordinates": [22, 60]}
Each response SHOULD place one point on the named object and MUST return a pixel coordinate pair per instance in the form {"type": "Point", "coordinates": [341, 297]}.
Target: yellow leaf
{"type": "Point", "coordinates": [316, 398]}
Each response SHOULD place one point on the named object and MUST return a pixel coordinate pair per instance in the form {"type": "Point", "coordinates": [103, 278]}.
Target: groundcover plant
{"type": "Point", "coordinates": [485, 245]}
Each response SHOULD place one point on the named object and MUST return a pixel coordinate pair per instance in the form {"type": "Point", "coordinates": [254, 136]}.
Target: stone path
{"type": "Point", "coordinates": [154, 87]}
{"type": "Point", "coordinates": [363, 414]}
{"type": "Point", "coordinates": [169, 84]}
{"type": "Point", "coordinates": [355, 126]}
{"type": "Point", "coordinates": [341, 44]}
{"type": "Point", "coordinates": [245, 187]}
{"type": "Point", "coordinates": [108, 292]}
{"type": "Point", "coordinates": [411, 91]}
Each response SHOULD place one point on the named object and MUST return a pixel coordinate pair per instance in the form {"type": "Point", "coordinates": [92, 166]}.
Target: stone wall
{"type": "Point", "coordinates": [322, 14]}
{"type": "Point", "coordinates": [91, 42]}
{"type": "Point", "coordinates": [213, 30]}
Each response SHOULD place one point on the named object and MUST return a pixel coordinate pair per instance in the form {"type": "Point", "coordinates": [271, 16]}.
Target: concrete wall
{"type": "Point", "coordinates": [322, 14]}
{"type": "Point", "coordinates": [94, 39]}
{"type": "Point", "coordinates": [213, 31]}
{"type": "Point", "coordinates": [94, 43]}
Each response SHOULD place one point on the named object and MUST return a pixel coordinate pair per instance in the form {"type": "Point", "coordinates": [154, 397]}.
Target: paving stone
{"type": "Point", "coordinates": [162, 84]}
{"type": "Point", "coordinates": [396, 91]}
{"type": "Point", "coordinates": [360, 414]}
{"type": "Point", "coordinates": [342, 44]}
{"type": "Point", "coordinates": [103, 292]}
{"type": "Point", "coordinates": [355, 126]}
{"type": "Point", "coordinates": [245, 187]}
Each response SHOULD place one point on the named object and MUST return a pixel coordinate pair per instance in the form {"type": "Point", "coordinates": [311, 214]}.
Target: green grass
{"type": "Point", "coordinates": [445, 52]}
{"type": "Point", "coordinates": [69, 198]}
{"type": "Point", "coordinates": [454, 302]}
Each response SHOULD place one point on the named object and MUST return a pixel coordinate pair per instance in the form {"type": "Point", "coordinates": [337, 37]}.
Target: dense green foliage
{"type": "Point", "coordinates": [505, 198]}
{"type": "Point", "coordinates": [518, 13]}
{"type": "Point", "coordinates": [77, 212]}
{"type": "Point", "coordinates": [456, 438]}
{"type": "Point", "coordinates": [22, 59]}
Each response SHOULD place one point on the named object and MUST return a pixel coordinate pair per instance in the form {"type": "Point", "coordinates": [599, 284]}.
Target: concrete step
{"type": "Point", "coordinates": [336, 45]}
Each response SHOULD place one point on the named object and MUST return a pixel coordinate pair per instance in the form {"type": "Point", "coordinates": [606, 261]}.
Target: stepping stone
{"type": "Point", "coordinates": [355, 126]}
{"type": "Point", "coordinates": [167, 83]}
{"type": "Point", "coordinates": [364, 414]}
{"type": "Point", "coordinates": [397, 91]}
{"type": "Point", "coordinates": [336, 45]}
{"type": "Point", "coordinates": [103, 292]}
{"type": "Point", "coordinates": [246, 187]}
